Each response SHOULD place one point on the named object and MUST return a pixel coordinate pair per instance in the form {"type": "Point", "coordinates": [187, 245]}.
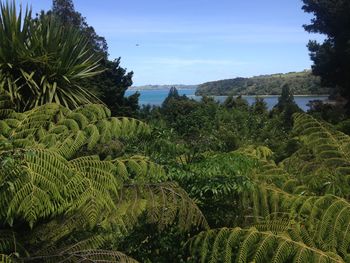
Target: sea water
{"type": "Point", "coordinates": [156, 97]}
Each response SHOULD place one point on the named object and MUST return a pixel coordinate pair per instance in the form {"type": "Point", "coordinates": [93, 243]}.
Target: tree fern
{"type": "Point", "coordinates": [259, 152]}
{"type": "Point", "coordinates": [36, 178]}
{"type": "Point", "coordinates": [141, 169]}
{"type": "Point", "coordinates": [6, 106]}
{"type": "Point", "coordinates": [326, 218]}
{"type": "Point", "coordinates": [294, 216]}
{"type": "Point", "coordinates": [252, 245]}
{"type": "Point", "coordinates": [98, 256]}
{"type": "Point", "coordinates": [325, 141]}
{"type": "Point", "coordinates": [267, 171]}
{"type": "Point", "coordinates": [166, 203]}
{"type": "Point", "coordinates": [59, 128]}
{"type": "Point", "coordinates": [54, 194]}
{"type": "Point", "coordinates": [323, 161]}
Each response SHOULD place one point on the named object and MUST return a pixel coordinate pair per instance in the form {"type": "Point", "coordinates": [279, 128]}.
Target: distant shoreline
{"type": "Point", "coordinates": [266, 95]}
{"type": "Point", "coordinates": [298, 95]}
{"type": "Point", "coordinates": [163, 89]}
{"type": "Point", "coordinates": [253, 95]}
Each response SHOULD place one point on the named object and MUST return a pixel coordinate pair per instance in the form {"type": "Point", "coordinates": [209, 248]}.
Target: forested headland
{"type": "Point", "coordinates": [301, 83]}
{"type": "Point", "coordinates": [87, 175]}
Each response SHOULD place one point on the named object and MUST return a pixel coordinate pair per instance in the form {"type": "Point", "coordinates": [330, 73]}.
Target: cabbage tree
{"type": "Point", "coordinates": [42, 61]}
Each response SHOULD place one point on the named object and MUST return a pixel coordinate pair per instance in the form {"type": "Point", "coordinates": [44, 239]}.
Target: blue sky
{"type": "Point", "coordinates": [193, 41]}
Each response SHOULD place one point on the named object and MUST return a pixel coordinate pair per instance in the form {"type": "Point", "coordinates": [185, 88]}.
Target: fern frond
{"type": "Point", "coordinates": [37, 178]}
{"type": "Point", "coordinates": [165, 204]}
{"type": "Point", "coordinates": [326, 218]}
{"type": "Point", "coordinates": [140, 169]}
{"type": "Point", "coordinates": [322, 163]}
{"type": "Point", "coordinates": [252, 245]}
{"type": "Point", "coordinates": [105, 256]}
{"type": "Point", "coordinates": [100, 188]}
{"type": "Point", "coordinates": [71, 145]}
{"type": "Point", "coordinates": [322, 137]}
{"type": "Point", "coordinates": [270, 173]}
{"type": "Point", "coordinates": [258, 152]}
{"type": "Point", "coordinates": [6, 105]}
{"type": "Point", "coordinates": [66, 131]}
{"type": "Point", "coordinates": [94, 112]}
{"type": "Point", "coordinates": [6, 259]}
{"type": "Point", "coordinates": [44, 184]}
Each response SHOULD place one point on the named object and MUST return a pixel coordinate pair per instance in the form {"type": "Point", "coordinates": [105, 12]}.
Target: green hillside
{"type": "Point", "coordinates": [302, 83]}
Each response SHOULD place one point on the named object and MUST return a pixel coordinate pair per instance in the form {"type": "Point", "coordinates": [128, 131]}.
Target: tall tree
{"type": "Point", "coordinates": [65, 11]}
{"type": "Point", "coordinates": [110, 86]}
{"type": "Point", "coordinates": [285, 99]}
{"type": "Point", "coordinates": [286, 106]}
{"type": "Point", "coordinates": [332, 57]}
{"type": "Point", "coordinates": [259, 106]}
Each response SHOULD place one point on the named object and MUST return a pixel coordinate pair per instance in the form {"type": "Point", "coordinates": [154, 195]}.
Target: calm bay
{"type": "Point", "coordinates": [156, 97]}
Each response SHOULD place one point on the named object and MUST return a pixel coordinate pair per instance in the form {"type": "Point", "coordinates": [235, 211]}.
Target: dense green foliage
{"type": "Point", "coordinates": [298, 211]}
{"type": "Point", "coordinates": [301, 83]}
{"type": "Point", "coordinates": [198, 127]}
{"type": "Point", "coordinates": [58, 202]}
{"type": "Point", "coordinates": [331, 58]}
{"type": "Point", "coordinates": [259, 202]}
{"type": "Point", "coordinates": [191, 181]}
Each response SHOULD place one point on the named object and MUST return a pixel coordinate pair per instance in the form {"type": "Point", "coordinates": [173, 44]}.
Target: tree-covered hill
{"type": "Point", "coordinates": [301, 83]}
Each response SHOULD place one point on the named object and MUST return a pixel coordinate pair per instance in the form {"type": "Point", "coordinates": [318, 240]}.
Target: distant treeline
{"type": "Point", "coordinates": [301, 83]}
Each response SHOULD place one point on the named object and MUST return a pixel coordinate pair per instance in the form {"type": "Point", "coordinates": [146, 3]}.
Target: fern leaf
{"type": "Point", "coordinates": [251, 245]}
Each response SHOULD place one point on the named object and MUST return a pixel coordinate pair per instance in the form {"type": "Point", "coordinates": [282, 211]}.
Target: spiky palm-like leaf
{"type": "Point", "coordinates": [41, 61]}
